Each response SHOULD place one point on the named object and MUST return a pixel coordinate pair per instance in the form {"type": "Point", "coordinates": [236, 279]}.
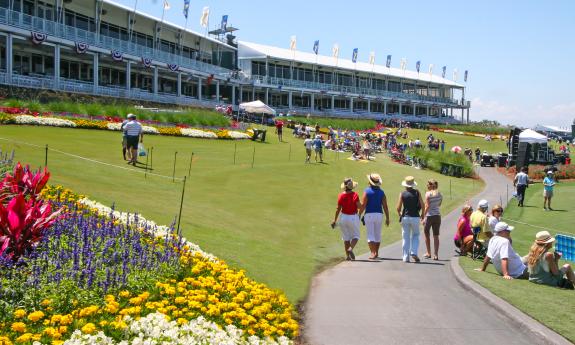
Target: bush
{"type": "Point", "coordinates": [434, 159]}
{"type": "Point", "coordinates": [357, 125]}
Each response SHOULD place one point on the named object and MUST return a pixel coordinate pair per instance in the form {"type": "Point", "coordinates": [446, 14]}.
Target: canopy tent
{"type": "Point", "coordinates": [257, 107]}
{"type": "Point", "coordinates": [532, 137]}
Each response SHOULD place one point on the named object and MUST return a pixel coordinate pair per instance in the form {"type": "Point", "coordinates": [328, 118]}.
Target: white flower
{"type": "Point", "coordinates": [238, 135]}
{"type": "Point", "coordinates": [43, 121]}
{"type": "Point", "coordinates": [114, 126]}
{"type": "Point", "coordinates": [150, 130]}
{"type": "Point", "coordinates": [196, 133]}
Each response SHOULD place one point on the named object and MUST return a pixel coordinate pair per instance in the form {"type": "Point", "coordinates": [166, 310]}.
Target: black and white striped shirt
{"type": "Point", "coordinates": [133, 128]}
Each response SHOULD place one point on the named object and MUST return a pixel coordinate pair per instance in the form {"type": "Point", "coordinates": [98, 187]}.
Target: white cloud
{"type": "Point", "coordinates": [525, 116]}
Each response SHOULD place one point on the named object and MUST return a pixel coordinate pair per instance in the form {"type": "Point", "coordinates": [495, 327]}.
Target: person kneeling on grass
{"type": "Point", "coordinates": [463, 238]}
{"type": "Point", "coordinates": [348, 205]}
{"type": "Point", "coordinates": [500, 252]}
{"type": "Point", "coordinates": [544, 266]}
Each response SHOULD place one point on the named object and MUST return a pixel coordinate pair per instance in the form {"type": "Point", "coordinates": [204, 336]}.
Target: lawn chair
{"type": "Point", "coordinates": [479, 249]}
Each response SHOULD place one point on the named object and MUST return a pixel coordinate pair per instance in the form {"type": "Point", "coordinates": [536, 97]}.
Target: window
{"type": "Point", "coordinates": [82, 22]}
{"type": "Point", "coordinates": [28, 8]}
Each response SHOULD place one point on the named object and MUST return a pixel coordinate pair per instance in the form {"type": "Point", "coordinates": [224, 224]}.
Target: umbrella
{"type": "Point", "coordinates": [456, 149]}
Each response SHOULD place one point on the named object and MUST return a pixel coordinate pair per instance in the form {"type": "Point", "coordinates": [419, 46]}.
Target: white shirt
{"type": "Point", "coordinates": [500, 248]}
{"type": "Point", "coordinates": [133, 128]}
{"type": "Point", "coordinates": [308, 143]}
{"type": "Point", "coordinates": [522, 178]}
{"type": "Point", "coordinates": [492, 221]}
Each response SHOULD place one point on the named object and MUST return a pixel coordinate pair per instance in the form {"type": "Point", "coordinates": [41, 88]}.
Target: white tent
{"type": "Point", "coordinates": [532, 137]}
{"type": "Point", "coordinates": [257, 107]}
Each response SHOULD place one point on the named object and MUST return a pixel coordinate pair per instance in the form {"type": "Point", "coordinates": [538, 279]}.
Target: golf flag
{"type": "Point", "coordinates": [204, 19]}
{"type": "Point", "coordinates": [224, 25]}
{"type": "Point", "coordinates": [465, 76]}
{"type": "Point", "coordinates": [316, 47]}
{"type": "Point", "coordinates": [293, 43]}
{"type": "Point", "coordinates": [335, 51]}
{"type": "Point", "coordinates": [444, 69]}
{"type": "Point", "coordinates": [430, 70]}
{"type": "Point", "coordinates": [455, 74]}
{"type": "Point", "coordinates": [186, 8]}
{"type": "Point", "coordinates": [388, 62]}
{"type": "Point", "coordinates": [403, 64]}
{"type": "Point", "coordinates": [372, 58]}
{"type": "Point", "coordinates": [354, 55]}
{"type": "Point", "coordinates": [166, 5]}
{"type": "Point", "coordinates": [417, 66]}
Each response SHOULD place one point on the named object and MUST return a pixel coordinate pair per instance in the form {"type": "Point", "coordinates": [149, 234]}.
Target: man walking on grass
{"type": "Point", "coordinates": [521, 182]}
{"type": "Point", "coordinates": [134, 135]}
{"type": "Point", "coordinates": [318, 148]}
{"type": "Point", "coordinates": [308, 143]}
{"type": "Point", "coordinates": [548, 184]}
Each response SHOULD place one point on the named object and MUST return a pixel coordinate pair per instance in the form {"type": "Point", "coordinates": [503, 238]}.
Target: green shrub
{"type": "Point", "coordinates": [434, 159]}
{"type": "Point", "coordinates": [335, 123]}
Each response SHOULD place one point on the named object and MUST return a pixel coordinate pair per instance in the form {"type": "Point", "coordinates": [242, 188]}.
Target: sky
{"type": "Point", "coordinates": [519, 54]}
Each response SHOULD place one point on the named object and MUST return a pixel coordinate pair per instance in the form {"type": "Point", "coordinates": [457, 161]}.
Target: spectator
{"type": "Point", "coordinates": [463, 238]}
{"type": "Point", "coordinates": [520, 182]}
{"type": "Point", "coordinates": [478, 221]}
{"type": "Point", "coordinates": [477, 154]}
{"type": "Point", "coordinates": [548, 184]}
{"type": "Point", "coordinates": [496, 213]}
{"type": "Point", "coordinates": [308, 143]}
{"type": "Point", "coordinates": [374, 203]}
{"type": "Point", "coordinates": [125, 139]}
{"type": "Point", "coordinates": [348, 205]}
{"type": "Point", "coordinates": [432, 221]}
{"type": "Point", "coordinates": [318, 148]}
{"type": "Point", "coordinates": [409, 206]}
{"type": "Point", "coordinates": [442, 145]}
{"type": "Point", "coordinates": [501, 254]}
{"type": "Point", "coordinates": [544, 266]}
{"type": "Point", "coordinates": [279, 129]}
{"type": "Point", "coordinates": [134, 133]}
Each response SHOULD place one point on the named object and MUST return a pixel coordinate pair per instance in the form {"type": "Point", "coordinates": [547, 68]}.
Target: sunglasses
{"type": "Point", "coordinates": [500, 211]}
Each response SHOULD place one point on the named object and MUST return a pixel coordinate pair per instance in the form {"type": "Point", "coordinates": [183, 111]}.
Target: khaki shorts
{"type": "Point", "coordinates": [547, 193]}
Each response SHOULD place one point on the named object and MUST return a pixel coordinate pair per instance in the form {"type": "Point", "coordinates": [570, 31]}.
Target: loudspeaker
{"type": "Point", "coordinates": [523, 155]}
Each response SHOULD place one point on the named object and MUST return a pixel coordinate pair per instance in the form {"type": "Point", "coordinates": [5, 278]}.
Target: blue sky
{"type": "Point", "coordinates": [520, 54]}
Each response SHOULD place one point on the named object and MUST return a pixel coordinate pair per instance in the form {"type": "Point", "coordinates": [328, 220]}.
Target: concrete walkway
{"type": "Point", "coordinates": [392, 302]}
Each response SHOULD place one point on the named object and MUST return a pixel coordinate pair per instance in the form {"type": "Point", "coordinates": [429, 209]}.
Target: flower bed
{"type": "Point", "coordinates": [113, 124]}
{"type": "Point", "coordinates": [538, 172]}
{"type": "Point", "coordinates": [100, 276]}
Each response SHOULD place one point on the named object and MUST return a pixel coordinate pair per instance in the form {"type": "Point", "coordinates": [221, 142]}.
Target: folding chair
{"type": "Point", "coordinates": [479, 249]}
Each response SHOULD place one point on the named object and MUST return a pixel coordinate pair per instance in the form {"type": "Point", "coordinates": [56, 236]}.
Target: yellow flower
{"type": "Point", "coordinates": [20, 313]}
{"type": "Point", "coordinates": [45, 303]}
{"type": "Point", "coordinates": [125, 294]}
{"type": "Point", "coordinates": [88, 328]}
{"type": "Point", "coordinates": [19, 327]}
{"type": "Point", "coordinates": [181, 321]}
{"type": "Point", "coordinates": [35, 316]}
{"type": "Point", "coordinates": [66, 320]}
{"type": "Point", "coordinates": [26, 337]}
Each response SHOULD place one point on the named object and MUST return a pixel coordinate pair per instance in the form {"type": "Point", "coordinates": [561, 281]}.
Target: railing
{"type": "Point", "coordinates": [51, 28]}
{"type": "Point", "coordinates": [346, 90]}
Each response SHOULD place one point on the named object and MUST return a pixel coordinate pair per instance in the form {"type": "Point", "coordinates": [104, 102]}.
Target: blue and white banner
{"type": "Point", "coordinates": [173, 67]}
{"type": "Point", "coordinates": [316, 47]}
{"type": "Point", "coordinates": [186, 8]}
{"type": "Point", "coordinates": [388, 62]}
{"type": "Point", "coordinates": [418, 66]}
{"type": "Point", "coordinates": [443, 71]}
{"type": "Point", "coordinates": [465, 76]}
{"type": "Point", "coordinates": [224, 25]}
{"type": "Point", "coordinates": [147, 62]}
{"type": "Point", "coordinates": [38, 37]}
{"type": "Point", "coordinates": [81, 47]}
{"type": "Point", "coordinates": [117, 56]}
{"type": "Point", "coordinates": [354, 55]}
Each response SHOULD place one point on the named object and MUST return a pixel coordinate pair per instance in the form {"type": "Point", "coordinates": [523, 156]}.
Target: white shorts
{"type": "Point", "coordinates": [373, 223]}
{"type": "Point", "coordinates": [349, 226]}
{"type": "Point", "coordinates": [547, 193]}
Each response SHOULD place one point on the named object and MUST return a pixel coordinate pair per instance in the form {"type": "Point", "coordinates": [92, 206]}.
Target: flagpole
{"type": "Point", "coordinates": [133, 21]}
{"type": "Point", "coordinates": [159, 39]}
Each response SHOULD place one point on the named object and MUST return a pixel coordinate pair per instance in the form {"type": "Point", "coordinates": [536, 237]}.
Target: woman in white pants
{"type": "Point", "coordinates": [409, 208]}
{"type": "Point", "coordinates": [348, 205]}
{"type": "Point", "coordinates": [374, 203]}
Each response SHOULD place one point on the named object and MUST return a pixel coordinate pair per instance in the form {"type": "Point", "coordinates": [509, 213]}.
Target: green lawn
{"type": "Point", "coordinates": [551, 306]}
{"type": "Point", "coordinates": [272, 219]}
{"type": "Point", "coordinates": [494, 146]}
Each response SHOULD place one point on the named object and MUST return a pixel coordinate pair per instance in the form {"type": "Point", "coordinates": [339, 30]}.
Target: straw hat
{"type": "Point", "coordinates": [348, 183]}
{"type": "Point", "coordinates": [409, 182]}
{"type": "Point", "coordinates": [374, 179]}
{"type": "Point", "coordinates": [502, 226]}
{"type": "Point", "coordinates": [544, 237]}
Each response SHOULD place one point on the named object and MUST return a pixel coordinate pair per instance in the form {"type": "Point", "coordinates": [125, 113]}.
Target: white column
{"type": "Point", "coordinates": [400, 108]}
{"type": "Point", "coordinates": [233, 95]}
{"type": "Point", "coordinates": [427, 111]}
{"type": "Point", "coordinates": [368, 106]}
{"type": "Point", "coordinates": [128, 76]}
{"type": "Point", "coordinates": [179, 86]}
{"type": "Point", "coordinates": [332, 103]}
{"type": "Point", "coordinates": [217, 91]}
{"type": "Point", "coordinates": [57, 66]}
{"type": "Point", "coordinates": [385, 107]}
{"type": "Point", "coordinates": [155, 81]}
{"type": "Point", "coordinates": [199, 88]}
{"type": "Point", "coordinates": [267, 95]}
{"type": "Point", "coordinates": [241, 94]}
{"type": "Point", "coordinates": [414, 109]}
{"type": "Point", "coordinates": [467, 115]}
{"type": "Point", "coordinates": [451, 111]}
{"type": "Point", "coordinates": [312, 101]}
{"type": "Point", "coordinates": [351, 104]}
{"type": "Point", "coordinates": [96, 73]}
{"type": "Point", "coordinates": [9, 58]}
{"type": "Point", "coordinates": [290, 100]}
{"type": "Point", "coordinates": [254, 93]}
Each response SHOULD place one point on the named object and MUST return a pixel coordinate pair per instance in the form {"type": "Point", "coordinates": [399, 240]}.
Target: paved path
{"type": "Point", "coordinates": [392, 302]}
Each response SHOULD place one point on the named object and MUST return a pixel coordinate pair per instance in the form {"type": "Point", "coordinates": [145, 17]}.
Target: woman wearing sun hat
{"type": "Point", "coordinates": [409, 208]}
{"type": "Point", "coordinates": [544, 266]}
{"type": "Point", "coordinates": [374, 202]}
{"type": "Point", "coordinates": [348, 205]}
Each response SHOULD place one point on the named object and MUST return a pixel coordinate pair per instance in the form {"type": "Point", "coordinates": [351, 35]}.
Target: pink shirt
{"type": "Point", "coordinates": [466, 228]}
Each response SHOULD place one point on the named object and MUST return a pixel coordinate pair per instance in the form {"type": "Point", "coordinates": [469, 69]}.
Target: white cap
{"type": "Point", "coordinates": [502, 226]}
{"type": "Point", "coordinates": [483, 204]}
{"type": "Point", "coordinates": [550, 172]}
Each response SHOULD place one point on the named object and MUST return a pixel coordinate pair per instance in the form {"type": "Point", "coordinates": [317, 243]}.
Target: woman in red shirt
{"type": "Point", "coordinates": [348, 205]}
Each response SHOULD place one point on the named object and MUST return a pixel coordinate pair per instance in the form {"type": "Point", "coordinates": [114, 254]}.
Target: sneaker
{"type": "Point", "coordinates": [550, 209]}
{"type": "Point", "coordinates": [351, 255]}
{"type": "Point", "coordinates": [544, 208]}
{"type": "Point", "coordinates": [415, 258]}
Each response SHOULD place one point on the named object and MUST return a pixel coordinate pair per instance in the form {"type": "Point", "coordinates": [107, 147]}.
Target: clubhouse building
{"type": "Point", "coordinates": [100, 47]}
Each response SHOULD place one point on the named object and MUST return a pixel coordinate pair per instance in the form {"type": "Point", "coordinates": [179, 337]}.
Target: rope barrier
{"type": "Point", "coordinates": [534, 226]}
{"type": "Point", "coordinates": [93, 160]}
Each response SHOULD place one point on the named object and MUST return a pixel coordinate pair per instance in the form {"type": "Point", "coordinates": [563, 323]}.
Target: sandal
{"type": "Point", "coordinates": [415, 258]}
{"type": "Point", "coordinates": [435, 258]}
{"type": "Point", "coordinates": [427, 256]}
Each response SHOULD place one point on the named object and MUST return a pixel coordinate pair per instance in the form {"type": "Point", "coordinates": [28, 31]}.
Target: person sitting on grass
{"type": "Point", "coordinates": [500, 252]}
{"type": "Point", "coordinates": [463, 238]}
{"type": "Point", "coordinates": [544, 266]}
{"type": "Point", "coordinates": [479, 224]}
{"type": "Point", "coordinates": [496, 213]}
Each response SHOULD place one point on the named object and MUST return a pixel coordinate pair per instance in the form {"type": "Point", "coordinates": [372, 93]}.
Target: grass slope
{"type": "Point", "coordinates": [551, 306]}
{"type": "Point", "coordinates": [272, 219]}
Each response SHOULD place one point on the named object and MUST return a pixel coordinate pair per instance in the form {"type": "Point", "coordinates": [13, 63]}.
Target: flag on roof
{"type": "Point", "coordinates": [204, 19]}
{"type": "Point", "coordinates": [186, 8]}
{"type": "Point", "coordinates": [354, 55]}
{"type": "Point", "coordinates": [316, 47]}
{"type": "Point", "coordinates": [388, 62]}
{"type": "Point", "coordinates": [293, 43]}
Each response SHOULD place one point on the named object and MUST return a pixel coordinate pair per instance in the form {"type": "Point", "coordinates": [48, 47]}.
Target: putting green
{"type": "Point", "coordinates": [271, 220]}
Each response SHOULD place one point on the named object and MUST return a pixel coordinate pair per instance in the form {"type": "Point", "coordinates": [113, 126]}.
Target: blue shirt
{"type": "Point", "coordinates": [546, 181]}
{"type": "Point", "coordinates": [374, 198]}
{"type": "Point", "coordinates": [317, 144]}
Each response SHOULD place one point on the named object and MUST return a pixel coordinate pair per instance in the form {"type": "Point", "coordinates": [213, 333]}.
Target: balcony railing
{"type": "Point", "coordinates": [350, 90]}
{"type": "Point", "coordinates": [51, 28]}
